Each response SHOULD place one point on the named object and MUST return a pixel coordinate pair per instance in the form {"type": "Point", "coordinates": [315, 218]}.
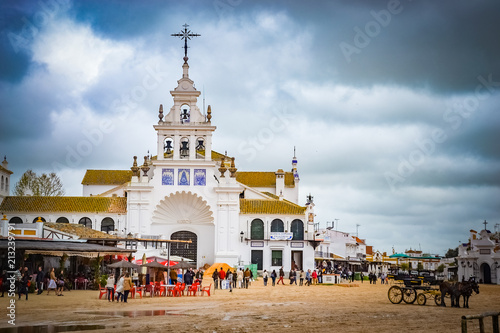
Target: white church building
{"type": "Point", "coordinates": [190, 192]}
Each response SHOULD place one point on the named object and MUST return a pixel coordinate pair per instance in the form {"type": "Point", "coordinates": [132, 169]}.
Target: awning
{"type": "Point", "coordinates": [58, 248]}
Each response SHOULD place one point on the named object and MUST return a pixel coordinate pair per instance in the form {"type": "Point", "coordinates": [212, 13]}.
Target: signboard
{"type": "Point", "coordinates": [281, 236]}
{"type": "Point", "coordinates": [297, 245]}
{"type": "Point", "coordinates": [257, 244]}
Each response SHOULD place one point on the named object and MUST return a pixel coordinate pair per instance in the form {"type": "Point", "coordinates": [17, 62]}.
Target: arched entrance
{"type": "Point", "coordinates": [186, 250]}
{"type": "Point", "coordinates": [486, 272]}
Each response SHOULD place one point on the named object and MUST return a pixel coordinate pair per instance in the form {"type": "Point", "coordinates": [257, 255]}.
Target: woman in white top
{"type": "Point", "coordinates": [119, 288]}
{"type": "Point", "coordinates": [110, 286]}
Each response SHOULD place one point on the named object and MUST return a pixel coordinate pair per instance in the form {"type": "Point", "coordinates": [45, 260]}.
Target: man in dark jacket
{"type": "Point", "coordinates": [39, 280]}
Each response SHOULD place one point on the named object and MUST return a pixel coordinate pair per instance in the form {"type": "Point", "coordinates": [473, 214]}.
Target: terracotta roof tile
{"type": "Point", "coordinates": [78, 230]}
{"type": "Point", "coordinates": [106, 177]}
{"type": "Point", "coordinates": [261, 206]}
{"type": "Point", "coordinates": [263, 178]}
{"type": "Point", "coordinates": [64, 204]}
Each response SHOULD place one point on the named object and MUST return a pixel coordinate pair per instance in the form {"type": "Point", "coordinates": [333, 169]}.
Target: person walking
{"type": "Point", "coordinates": [239, 278]}
{"type": "Point", "coordinates": [235, 277]}
{"type": "Point", "coordinates": [282, 275]}
{"type": "Point", "coordinates": [40, 276]}
{"type": "Point", "coordinates": [119, 288]}
{"type": "Point", "coordinates": [60, 284]}
{"type": "Point", "coordinates": [173, 276]}
{"type": "Point", "coordinates": [215, 276]}
{"type": "Point", "coordinates": [52, 281]}
{"type": "Point", "coordinates": [110, 287]}
{"type": "Point", "coordinates": [23, 285]}
{"type": "Point", "coordinates": [127, 285]}
{"type": "Point", "coordinates": [265, 277]}
{"type": "Point", "coordinates": [273, 277]}
{"type": "Point", "coordinates": [222, 276]}
{"type": "Point", "coordinates": [302, 277]}
{"type": "Point", "coordinates": [229, 277]}
{"type": "Point", "coordinates": [247, 275]}
{"type": "Point", "coordinates": [314, 276]}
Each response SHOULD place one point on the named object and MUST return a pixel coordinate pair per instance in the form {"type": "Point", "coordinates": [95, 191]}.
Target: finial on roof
{"type": "Point", "coordinates": [209, 113]}
{"type": "Point", "coordinates": [135, 168]}
{"type": "Point", "coordinates": [145, 167]}
{"type": "Point", "coordinates": [4, 218]}
{"type": "Point", "coordinates": [222, 168]}
{"type": "Point", "coordinates": [160, 113]}
{"type": "Point", "coordinates": [232, 168]}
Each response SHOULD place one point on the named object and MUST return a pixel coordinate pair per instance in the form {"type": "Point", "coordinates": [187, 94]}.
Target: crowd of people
{"type": "Point", "coordinates": [227, 279]}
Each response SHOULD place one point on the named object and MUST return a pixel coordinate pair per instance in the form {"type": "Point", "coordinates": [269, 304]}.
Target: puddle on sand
{"type": "Point", "coordinates": [133, 314]}
{"type": "Point", "coordinates": [50, 328]}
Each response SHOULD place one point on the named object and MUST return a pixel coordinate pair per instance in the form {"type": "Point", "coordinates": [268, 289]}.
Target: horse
{"type": "Point", "coordinates": [450, 289]}
{"type": "Point", "coordinates": [466, 290]}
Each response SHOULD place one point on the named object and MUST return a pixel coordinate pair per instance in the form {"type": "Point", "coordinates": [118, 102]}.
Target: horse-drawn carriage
{"type": "Point", "coordinates": [410, 289]}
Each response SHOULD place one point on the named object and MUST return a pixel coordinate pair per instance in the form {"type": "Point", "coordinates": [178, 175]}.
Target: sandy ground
{"type": "Point", "coordinates": [279, 309]}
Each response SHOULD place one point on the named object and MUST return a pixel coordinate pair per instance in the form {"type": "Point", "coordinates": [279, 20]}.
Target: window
{"type": "Point", "coordinates": [86, 222]}
{"type": "Point", "coordinates": [62, 220]}
{"type": "Point", "coordinates": [277, 226]}
{"type": "Point", "coordinates": [107, 224]}
{"type": "Point", "coordinates": [2, 183]}
{"type": "Point", "coordinates": [257, 229]}
{"type": "Point", "coordinates": [16, 220]}
{"type": "Point", "coordinates": [277, 258]}
{"type": "Point", "coordinates": [185, 250]}
{"type": "Point", "coordinates": [297, 228]}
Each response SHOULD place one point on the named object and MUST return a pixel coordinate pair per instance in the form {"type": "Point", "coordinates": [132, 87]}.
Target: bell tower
{"type": "Point", "coordinates": [184, 133]}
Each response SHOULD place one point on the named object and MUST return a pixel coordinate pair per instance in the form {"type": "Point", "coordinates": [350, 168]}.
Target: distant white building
{"type": "Point", "coordinates": [5, 179]}
{"type": "Point", "coordinates": [340, 248]}
{"type": "Point", "coordinates": [480, 257]}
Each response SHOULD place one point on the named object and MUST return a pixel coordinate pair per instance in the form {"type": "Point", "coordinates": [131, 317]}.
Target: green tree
{"type": "Point", "coordinates": [44, 185]}
{"type": "Point", "coordinates": [440, 268]}
{"type": "Point", "coordinates": [404, 266]}
{"type": "Point", "coordinates": [451, 253]}
{"type": "Point", "coordinates": [420, 267]}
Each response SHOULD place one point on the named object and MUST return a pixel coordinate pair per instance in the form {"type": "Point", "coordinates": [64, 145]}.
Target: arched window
{"type": "Point", "coordinates": [184, 148]}
{"type": "Point", "coordinates": [16, 220]}
{"type": "Point", "coordinates": [257, 229]}
{"type": "Point", "coordinates": [6, 184]}
{"type": "Point", "coordinates": [297, 228]}
{"type": "Point", "coordinates": [107, 224]}
{"type": "Point", "coordinates": [2, 183]}
{"type": "Point", "coordinates": [62, 219]}
{"type": "Point", "coordinates": [277, 226]}
{"type": "Point", "coordinates": [36, 219]}
{"type": "Point", "coordinates": [86, 222]}
{"type": "Point", "coordinates": [168, 147]}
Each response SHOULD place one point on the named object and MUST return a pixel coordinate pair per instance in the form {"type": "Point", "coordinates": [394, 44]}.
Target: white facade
{"type": "Point", "coordinates": [4, 179]}
{"type": "Point", "coordinates": [480, 258]}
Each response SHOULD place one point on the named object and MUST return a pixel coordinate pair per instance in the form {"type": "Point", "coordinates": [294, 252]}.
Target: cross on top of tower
{"type": "Point", "coordinates": [485, 223]}
{"type": "Point", "coordinates": [185, 35]}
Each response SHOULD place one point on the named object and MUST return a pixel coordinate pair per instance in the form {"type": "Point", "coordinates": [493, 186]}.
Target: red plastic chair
{"type": "Point", "coordinates": [102, 291]}
{"type": "Point", "coordinates": [137, 290]}
{"type": "Point", "coordinates": [193, 289]}
{"type": "Point", "coordinates": [206, 290]}
{"type": "Point", "coordinates": [148, 289]}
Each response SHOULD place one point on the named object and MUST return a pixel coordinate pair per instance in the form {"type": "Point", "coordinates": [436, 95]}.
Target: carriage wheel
{"type": "Point", "coordinates": [395, 295]}
{"type": "Point", "coordinates": [409, 295]}
{"type": "Point", "coordinates": [437, 299]}
{"type": "Point", "coordinates": [421, 299]}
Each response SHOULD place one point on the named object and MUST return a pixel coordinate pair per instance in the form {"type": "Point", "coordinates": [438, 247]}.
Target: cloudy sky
{"type": "Point", "coordinates": [393, 106]}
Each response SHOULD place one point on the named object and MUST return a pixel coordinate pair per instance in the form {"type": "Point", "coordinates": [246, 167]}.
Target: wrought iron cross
{"type": "Point", "coordinates": [485, 223]}
{"type": "Point", "coordinates": [185, 34]}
